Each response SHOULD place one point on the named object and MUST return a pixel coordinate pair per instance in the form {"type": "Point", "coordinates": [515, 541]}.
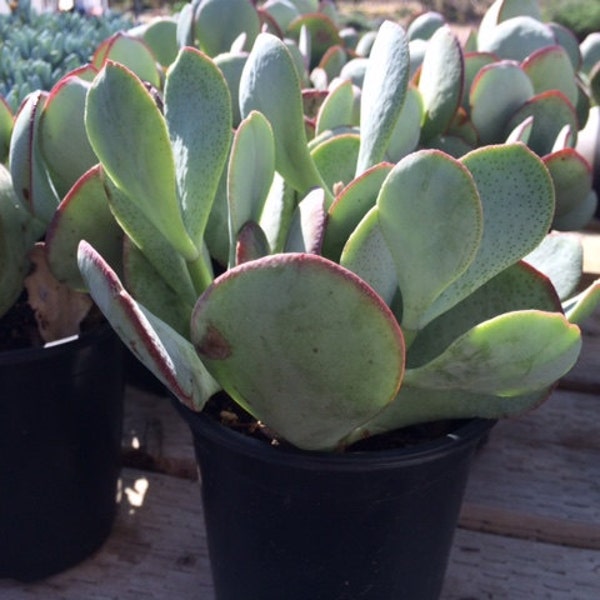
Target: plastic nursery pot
{"type": "Point", "coordinates": [61, 410]}
{"type": "Point", "coordinates": [290, 524]}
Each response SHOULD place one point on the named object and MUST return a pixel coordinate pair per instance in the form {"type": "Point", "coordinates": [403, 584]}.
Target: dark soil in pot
{"type": "Point", "coordinates": [375, 523]}
{"type": "Point", "coordinates": [60, 440]}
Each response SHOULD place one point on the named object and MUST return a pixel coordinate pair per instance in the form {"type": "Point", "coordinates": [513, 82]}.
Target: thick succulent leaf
{"type": "Point", "coordinates": [407, 132]}
{"type": "Point", "coordinates": [131, 53]}
{"type": "Point", "coordinates": [63, 139]}
{"type": "Point", "coordinates": [338, 108]}
{"type": "Point", "coordinates": [579, 216]}
{"type": "Point", "coordinates": [568, 40]}
{"type": "Point", "coordinates": [27, 168]}
{"type": "Point", "coordinates": [328, 356]}
{"type": "Point", "coordinates": [171, 266]}
{"type": "Point", "coordinates": [572, 178]}
{"type": "Point", "coordinates": [518, 205]}
{"type": "Point", "coordinates": [308, 224]}
{"type": "Point", "coordinates": [84, 213]}
{"type": "Point", "coordinates": [219, 22]}
{"type": "Point", "coordinates": [160, 348]}
{"type": "Point", "coordinates": [415, 405]}
{"type": "Point", "coordinates": [367, 254]}
{"type": "Point", "coordinates": [581, 307]}
{"type": "Point", "coordinates": [282, 11]}
{"type": "Point", "coordinates": [6, 126]}
{"type": "Point", "coordinates": [560, 258]}
{"type": "Point", "coordinates": [160, 35]}
{"type": "Point", "coordinates": [441, 82]}
{"type": "Point", "coordinates": [250, 243]}
{"type": "Point", "coordinates": [498, 90]}
{"type": "Point", "coordinates": [198, 117]}
{"type": "Point", "coordinates": [473, 63]}
{"type": "Point", "coordinates": [18, 233]}
{"type": "Point", "coordinates": [251, 172]}
{"type": "Point", "coordinates": [129, 135]}
{"type": "Point", "coordinates": [150, 290]}
{"type": "Point", "coordinates": [590, 51]}
{"type": "Point", "coordinates": [550, 68]}
{"type": "Point", "coordinates": [423, 26]}
{"type": "Point", "coordinates": [185, 26]}
{"type": "Point", "coordinates": [336, 158]}
{"type": "Point", "coordinates": [232, 65]}
{"type": "Point", "coordinates": [350, 206]}
{"type": "Point", "coordinates": [513, 354]}
{"type": "Point", "coordinates": [521, 133]}
{"type": "Point", "coordinates": [270, 85]}
{"type": "Point", "coordinates": [322, 32]}
{"type": "Point", "coordinates": [429, 187]}
{"type": "Point", "coordinates": [502, 10]}
{"type": "Point", "coordinates": [551, 111]}
{"type": "Point", "coordinates": [588, 139]}
{"type": "Point", "coordinates": [383, 92]}
{"type": "Point", "coordinates": [517, 38]}
{"type": "Point", "coordinates": [333, 60]}
{"type": "Point", "coordinates": [520, 287]}
{"type": "Point", "coordinates": [278, 212]}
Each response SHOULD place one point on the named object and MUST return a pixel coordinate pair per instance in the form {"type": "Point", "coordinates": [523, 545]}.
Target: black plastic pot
{"type": "Point", "coordinates": [61, 412]}
{"type": "Point", "coordinates": [359, 526]}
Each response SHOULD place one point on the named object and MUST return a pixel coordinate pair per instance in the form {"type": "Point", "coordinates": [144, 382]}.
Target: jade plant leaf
{"type": "Point", "coordinates": [518, 205]}
{"type": "Point", "coordinates": [512, 354]}
{"type": "Point", "coordinates": [270, 85]}
{"type": "Point", "coordinates": [338, 108]}
{"type": "Point", "coordinates": [474, 62]}
{"type": "Point", "coordinates": [516, 38]}
{"type": "Point", "coordinates": [407, 132]}
{"type": "Point", "coordinates": [27, 168]}
{"type": "Point", "coordinates": [441, 82]}
{"type": "Point", "coordinates": [18, 233]}
{"type": "Point", "coordinates": [84, 213]}
{"type": "Point", "coordinates": [160, 35]}
{"type": "Point", "coordinates": [308, 224]}
{"type": "Point", "coordinates": [498, 90]}
{"type": "Point", "coordinates": [550, 68]}
{"type": "Point", "coordinates": [131, 53]}
{"type": "Point", "coordinates": [350, 206]}
{"type": "Point", "coordinates": [6, 125]}
{"type": "Point", "coordinates": [367, 254]}
{"type": "Point", "coordinates": [130, 137]}
{"type": "Point", "coordinates": [251, 172]}
{"type": "Point", "coordinates": [383, 92]}
{"type": "Point", "coordinates": [219, 22]}
{"type": "Point", "coordinates": [61, 120]}
{"type": "Point", "coordinates": [307, 373]}
{"type": "Point", "coordinates": [503, 10]}
{"type": "Point", "coordinates": [168, 355]}
{"type": "Point", "coordinates": [427, 187]}
{"type": "Point", "coordinates": [336, 158]}
{"type": "Point", "coordinates": [171, 266]}
{"type": "Point", "coordinates": [581, 307]}
{"type": "Point", "coordinates": [423, 26]}
{"type": "Point", "coordinates": [519, 287]}
{"type": "Point", "coordinates": [551, 112]}
{"type": "Point", "coordinates": [572, 178]}
{"type": "Point", "coordinates": [198, 117]}
{"type": "Point", "coordinates": [322, 32]}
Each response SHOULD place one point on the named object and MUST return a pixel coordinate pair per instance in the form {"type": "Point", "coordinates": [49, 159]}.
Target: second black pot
{"type": "Point", "coordinates": [60, 440]}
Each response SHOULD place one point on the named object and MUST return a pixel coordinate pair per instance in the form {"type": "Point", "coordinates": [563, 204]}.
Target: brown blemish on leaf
{"type": "Point", "coordinates": [214, 345]}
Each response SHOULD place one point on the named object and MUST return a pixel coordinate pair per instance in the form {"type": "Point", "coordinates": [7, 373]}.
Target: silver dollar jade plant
{"type": "Point", "coordinates": [330, 292]}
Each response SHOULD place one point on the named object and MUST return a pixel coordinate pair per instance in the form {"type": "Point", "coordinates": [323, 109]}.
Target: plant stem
{"type": "Point", "coordinates": [200, 272]}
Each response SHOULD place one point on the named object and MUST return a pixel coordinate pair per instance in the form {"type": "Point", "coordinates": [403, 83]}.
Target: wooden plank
{"type": "Point", "coordinates": [484, 566]}
{"type": "Point", "coordinates": [158, 552]}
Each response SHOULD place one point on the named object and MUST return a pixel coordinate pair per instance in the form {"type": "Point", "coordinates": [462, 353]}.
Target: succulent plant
{"type": "Point", "coordinates": [344, 309]}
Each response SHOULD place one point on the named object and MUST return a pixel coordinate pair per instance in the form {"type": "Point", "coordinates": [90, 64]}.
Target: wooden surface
{"type": "Point", "coordinates": [529, 529]}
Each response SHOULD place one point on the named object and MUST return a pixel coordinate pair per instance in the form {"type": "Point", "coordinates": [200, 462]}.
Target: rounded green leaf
{"type": "Point", "coordinates": [129, 135]}
{"type": "Point", "coordinates": [551, 112]}
{"type": "Point", "coordinates": [270, 85]}
{"type": "Point", "coordinates": [337, 109]}
{"type": "Point", "coordinates": [498, 90]}
{"type": "Point", "coordinates": [323, 34]}
{"type": "Point", "coordinates": [550, 68]}
{"type": "Point", "coordinates": [336, 158]}
{"type": "Point", "coordinates": [441, 82]}
{"type": "Point", "coordinates": [6, 125]}
{"type": "Point", "coordinates": [303, 344]}
{"type": "Point", "coordinates": [510, 355]}
{"type": "Point", "coordinates": [383, 92]}
{"type": "Point", "coordinates": [198, 117]}
{"type": "Point", "coordinates": [425, 188]}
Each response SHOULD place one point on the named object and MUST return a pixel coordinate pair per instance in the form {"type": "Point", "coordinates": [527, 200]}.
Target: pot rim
{"type": "Point", "coordinates": [52, 349]}
{"type": "Point", "coordinates": [469, 432]}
